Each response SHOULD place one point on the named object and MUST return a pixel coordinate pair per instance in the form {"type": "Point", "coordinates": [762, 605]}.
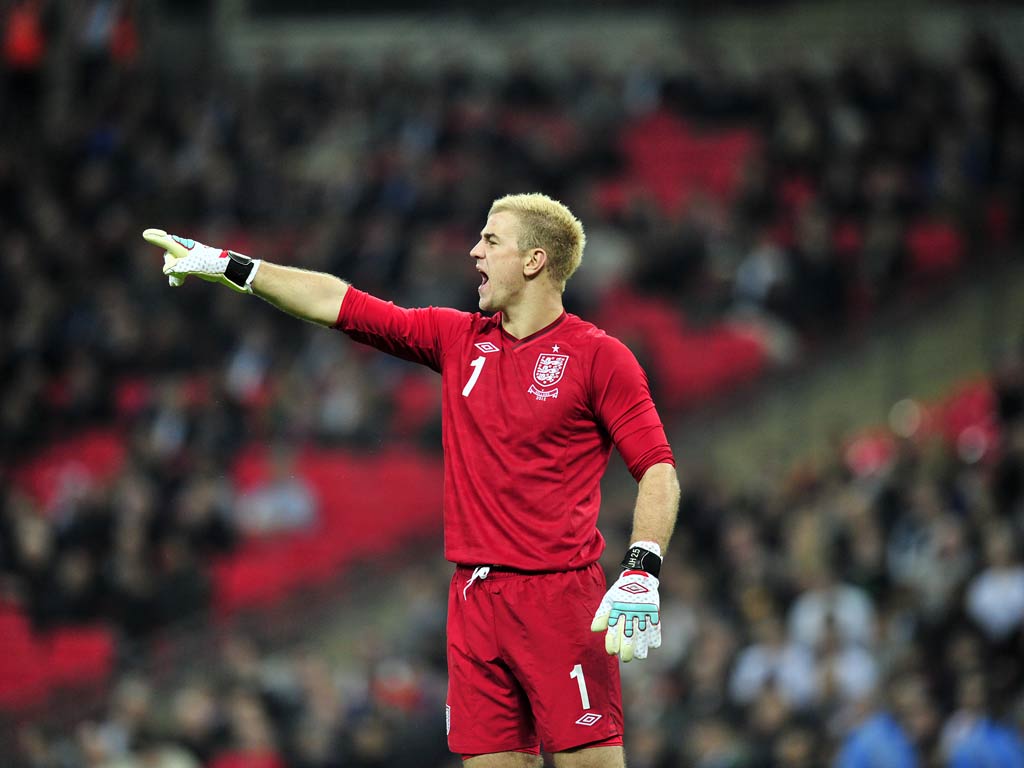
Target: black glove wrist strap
{"type": "Point", "coordinates": [640, 559]}
{"type": "Point", "coordinates": [239, 268]}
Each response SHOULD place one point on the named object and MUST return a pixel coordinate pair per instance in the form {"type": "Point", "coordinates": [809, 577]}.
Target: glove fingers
{"type": "Point", "coordinates": [161, 239]}
{"type": "Point", "coordinates": [655, 641]}
{"type": "Point", "coordinates": [600, 622]}
{"type": "Point", "coordinates": [613, 639]}
{"type": "Point", "coordinates": [175, 281]}
{"type": "Point", "coordinates": [627, 642]}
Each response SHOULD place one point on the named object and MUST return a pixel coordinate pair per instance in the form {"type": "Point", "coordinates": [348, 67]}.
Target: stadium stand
{"type": "Point", "coordinates": [733, 226]}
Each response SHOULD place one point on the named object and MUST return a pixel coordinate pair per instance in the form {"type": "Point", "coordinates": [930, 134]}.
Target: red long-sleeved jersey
{"type": "Point", "coordinates": [528, 427]}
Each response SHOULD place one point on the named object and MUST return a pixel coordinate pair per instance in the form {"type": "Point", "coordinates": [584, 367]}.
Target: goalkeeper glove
{"type": "Point", "coordinates": [629, 613]}
{"type": "Point", "coordinates": [184, 257]}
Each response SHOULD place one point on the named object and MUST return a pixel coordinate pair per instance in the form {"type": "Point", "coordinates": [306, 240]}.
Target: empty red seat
{"type": "Point", "coordinates": [936, 247]}
{"type": "Point", "coordinates": [673, 161]}
{"type": "Point", "coordinates": [79, 655]}
{"type": "Point", "coordinates": [23, 670]}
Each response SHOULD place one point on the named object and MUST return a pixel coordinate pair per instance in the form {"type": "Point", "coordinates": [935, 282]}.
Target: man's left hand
{"type": "Point", "coordinates": [630, 616]}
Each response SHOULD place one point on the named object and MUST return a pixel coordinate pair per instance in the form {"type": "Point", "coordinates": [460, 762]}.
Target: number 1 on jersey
{"type": "Point", "coordinates": [477, 366]}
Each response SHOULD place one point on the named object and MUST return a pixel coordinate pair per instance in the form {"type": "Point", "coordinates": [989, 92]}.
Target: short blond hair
{"type": "Point", "coordinates": [548, 224]}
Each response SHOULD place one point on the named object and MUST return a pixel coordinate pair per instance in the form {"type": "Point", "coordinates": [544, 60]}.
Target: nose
{"type": "Point", "coordinates": [478, 250]}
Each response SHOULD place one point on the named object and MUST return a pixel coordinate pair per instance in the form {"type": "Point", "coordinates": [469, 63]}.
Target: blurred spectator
{"type": "Point", "coordinates": [772, 662]}
{"type": "Point", "coordinates": [892, 737]}
{"type": "Point", "coordinates": [927, 551]}
{"type": "Point", "coordinates": [252, 741]}
{"type": "Point", "coordinates": [828, 604]}
{"type": "Point", "coordinates": [202, 514]}
{"type": "Point", "coordinates": [880, 742]}
{"type": "Point", "coordinates": [971, 737]}
{"type": "Point", "coordinates": [847, 672]}
{"type": "Point", "coordinates": [796, 747]}
{"type": "Point", "coordinates": [995, 597]}
{"type": "Point", "coordinates": [987, 743]}
{"type": "Point", "coordinates": [197, 722]}
{"type": "Point", "coordinates": [130, 711]}
{"type": "Point", "coordinates": [284, 502]}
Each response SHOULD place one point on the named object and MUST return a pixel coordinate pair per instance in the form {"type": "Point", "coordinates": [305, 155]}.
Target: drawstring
{"type": "Point", "coordinates": [478, 573]}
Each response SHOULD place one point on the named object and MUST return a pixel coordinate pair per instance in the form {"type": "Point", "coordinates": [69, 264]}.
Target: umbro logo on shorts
{"type": "Point", "coordinates": [588, 719]}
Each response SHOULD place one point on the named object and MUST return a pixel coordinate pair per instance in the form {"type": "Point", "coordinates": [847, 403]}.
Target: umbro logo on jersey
{"type": "Point", "coordinates": [588, 719]}
{"type": "Point", "coordinates": [634, 589]}
{"type": "Point", "coordinates": [486, 346]}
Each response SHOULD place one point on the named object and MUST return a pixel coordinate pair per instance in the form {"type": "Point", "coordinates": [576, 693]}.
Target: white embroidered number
{"type": "Point", "coordinates": [477, 366]}
{"type": "Point", "coordinates": [577, 672]}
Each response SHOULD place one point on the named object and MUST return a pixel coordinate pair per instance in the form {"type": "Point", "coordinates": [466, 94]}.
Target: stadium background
{"type": "Point", "coordinates": [220, 531]}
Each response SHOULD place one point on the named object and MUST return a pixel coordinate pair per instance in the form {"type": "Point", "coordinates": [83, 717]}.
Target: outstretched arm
{"type": "Point", "coordinates": [312, 296]}
{"type": "Point", "coordinates": [411, 334]}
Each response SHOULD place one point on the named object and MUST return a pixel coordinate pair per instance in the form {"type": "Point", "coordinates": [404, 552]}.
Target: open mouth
{"type": "Point", "coordinates": [483, 279]}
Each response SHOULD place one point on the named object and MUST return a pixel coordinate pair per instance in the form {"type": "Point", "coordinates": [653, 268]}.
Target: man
{"type": "Point", "coordinates": [532, 401]}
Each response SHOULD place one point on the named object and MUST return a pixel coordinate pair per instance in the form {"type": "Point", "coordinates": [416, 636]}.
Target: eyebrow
{"type": "Point", "coordinates": [486, 235]}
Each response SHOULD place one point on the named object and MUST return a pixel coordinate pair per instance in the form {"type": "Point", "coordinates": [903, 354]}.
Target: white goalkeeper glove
{"type": "Point", "coordinates": [184, 256]}
{"type": "Point", "coordinates": [629, 614]}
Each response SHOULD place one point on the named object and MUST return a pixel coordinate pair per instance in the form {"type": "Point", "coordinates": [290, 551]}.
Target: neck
{"type": "Point", "coordinates": [529, 317]}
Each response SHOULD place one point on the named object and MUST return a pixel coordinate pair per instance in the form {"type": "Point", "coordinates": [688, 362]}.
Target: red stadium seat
{"type": "Point", "coordinates": [936, 247]}
{"type": "Point", "coordinates": [970, 414]}
{"type": "Point", "coordinates": [79, 655]}
{"type": "Point", "coordinates": [368, 505]}
{"type": "Point", "coordinates": [673, 161]}
{"type": "Point", "coordinates": [687, 365]}
{"type": "Point", "coordinates": [93, 456]}
{"type": "Point", "coordinates": [23, 663]}
{"type": "Point", "coordinates": [247, 759]}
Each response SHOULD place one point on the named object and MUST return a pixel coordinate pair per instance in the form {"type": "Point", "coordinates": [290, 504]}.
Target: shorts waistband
{"type": "Point", "coordinates": [505, 570]}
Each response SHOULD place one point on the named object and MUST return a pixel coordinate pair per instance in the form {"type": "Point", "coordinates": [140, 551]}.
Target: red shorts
{"type": "Point", "coordinates": [524, 669]}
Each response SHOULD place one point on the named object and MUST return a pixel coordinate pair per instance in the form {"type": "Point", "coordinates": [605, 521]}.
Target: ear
{"type": "Point", "coordinates": [534, 261]}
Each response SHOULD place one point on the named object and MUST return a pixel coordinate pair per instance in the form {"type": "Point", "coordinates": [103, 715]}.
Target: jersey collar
{"type": "Point", "coordinates": [535, 335]}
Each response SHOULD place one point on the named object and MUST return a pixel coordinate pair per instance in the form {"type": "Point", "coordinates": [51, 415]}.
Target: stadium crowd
{"type": "Point", "coordinates": [841, 612]}
{"type": "Point", "coordinates": [829, 615]}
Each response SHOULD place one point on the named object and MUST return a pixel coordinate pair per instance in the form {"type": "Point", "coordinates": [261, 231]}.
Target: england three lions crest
{"type": "Point", "coordinates": [549, 369]}
{"type": "Point", "coordinates": [547, 372]}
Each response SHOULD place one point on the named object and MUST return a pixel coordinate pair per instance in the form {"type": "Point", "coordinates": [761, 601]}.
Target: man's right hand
{"type": "Point", "coordinates": [184, 257]}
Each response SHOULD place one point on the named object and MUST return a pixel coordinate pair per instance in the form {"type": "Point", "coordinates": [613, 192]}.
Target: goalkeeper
{"type": "Point", "coordinates": [533, 400]}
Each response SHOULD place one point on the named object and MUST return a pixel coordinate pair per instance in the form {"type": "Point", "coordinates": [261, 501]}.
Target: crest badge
{"type": "Point", "coordinates": [547, 372]}
{"type": "Point", "coordinates": [549, 369]}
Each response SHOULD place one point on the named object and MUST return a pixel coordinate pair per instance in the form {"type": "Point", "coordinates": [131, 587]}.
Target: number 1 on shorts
{"type": "Point", "coordinates": [577, 672]}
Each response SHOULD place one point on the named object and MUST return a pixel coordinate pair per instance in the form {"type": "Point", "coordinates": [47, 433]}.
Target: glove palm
{"type": "Point", "coordinates": [630, 616]}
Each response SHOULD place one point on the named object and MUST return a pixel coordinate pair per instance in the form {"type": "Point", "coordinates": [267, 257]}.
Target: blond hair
{"type": "Point", "coordinates": [548, 224]}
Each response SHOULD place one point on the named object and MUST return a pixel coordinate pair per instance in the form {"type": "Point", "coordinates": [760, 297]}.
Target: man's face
{"type": "Point", "coordinates": [500, 262]}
